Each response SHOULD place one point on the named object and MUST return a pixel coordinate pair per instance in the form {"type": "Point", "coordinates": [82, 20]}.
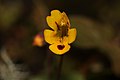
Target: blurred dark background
{"type": "Point", "coordinates": [95, 55]}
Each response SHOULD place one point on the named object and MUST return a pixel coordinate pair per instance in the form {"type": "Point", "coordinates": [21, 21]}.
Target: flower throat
{"type": "Point", "coordinates": [62, 30]}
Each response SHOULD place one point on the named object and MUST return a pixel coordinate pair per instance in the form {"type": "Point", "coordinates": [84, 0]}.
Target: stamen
{"type": "Point", "coordinates": [62, 23]}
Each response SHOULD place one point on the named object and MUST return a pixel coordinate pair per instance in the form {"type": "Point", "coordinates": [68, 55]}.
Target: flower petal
{"type": "Point", "coordinates": [55, 17]}
{"type": "Point", "coordinates": [71, 35]}
{"type": "Point", "coordinates": [56, 14]}
{"type": "Point", "coordinates": [49, 36]}
{"type": "Point", "coordinates": [66, 19]}
{"type": "Point", "coordinates": [51, 22]}
{"type": "Point", "coordinates": [59, 48]}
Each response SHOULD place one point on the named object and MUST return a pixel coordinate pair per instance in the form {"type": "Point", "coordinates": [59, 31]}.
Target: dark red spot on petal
{"type": "Point", "coordinates": [67, 23]}
{"type": "Point", "coordinates": [60, 47]}
{"type": "Point", "coordinates": [57, 26]}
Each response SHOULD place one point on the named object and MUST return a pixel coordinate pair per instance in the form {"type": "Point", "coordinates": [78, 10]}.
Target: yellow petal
{"type": "Point", "coordinates": [59, 48]}
{"type": "Point", "coordinates": [66, 19]}
{"type": "Point", "coordinates": [71, 35]}
{"type": "Point", "coordinates": [56, 14]}
{"type": "Point", "coordinates": [51, 22]}
{"type": "Point", "coordinates": [49, 36]}
{"type": "Point", "coordinates": [55, 17]}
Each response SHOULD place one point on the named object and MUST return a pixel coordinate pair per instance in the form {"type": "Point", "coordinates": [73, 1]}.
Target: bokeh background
{"type": "Point", "coordinates": [95, 55]}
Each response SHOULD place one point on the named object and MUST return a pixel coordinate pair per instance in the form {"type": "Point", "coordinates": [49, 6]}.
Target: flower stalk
{"type": "Point", "coordinates": [60, 67]}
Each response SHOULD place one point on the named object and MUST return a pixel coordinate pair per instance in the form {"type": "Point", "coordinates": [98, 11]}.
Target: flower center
{"type": "Point", "coordinates": [60, 47]}
{"type": "Point", "coordinates": [62, 30]}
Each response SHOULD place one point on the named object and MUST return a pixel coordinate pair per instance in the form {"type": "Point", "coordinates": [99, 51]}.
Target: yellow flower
{"type": "Point", "coordinates": [61, 35]}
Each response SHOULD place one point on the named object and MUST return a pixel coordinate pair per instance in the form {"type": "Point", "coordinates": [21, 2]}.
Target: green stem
{"type": "Point", "coordinates": [60, 68]}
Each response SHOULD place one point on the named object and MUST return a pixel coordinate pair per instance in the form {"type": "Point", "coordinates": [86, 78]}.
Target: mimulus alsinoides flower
{"type": "Point", "coordinates": [61, 35]}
